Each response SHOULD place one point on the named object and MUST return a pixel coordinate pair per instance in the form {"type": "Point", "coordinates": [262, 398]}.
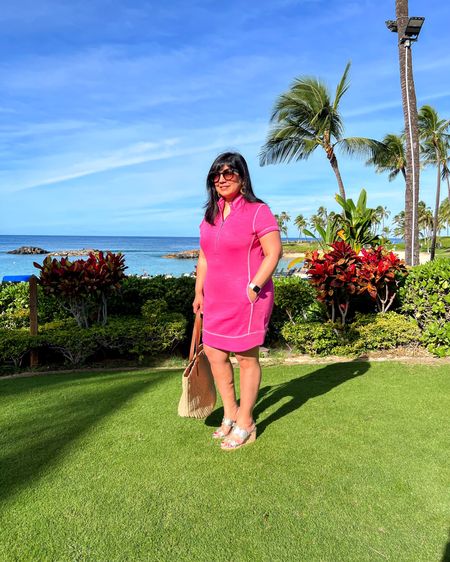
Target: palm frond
{"type": "Point", "coordinates": [359, 146]}
{"type": "Point", "coordinates": [342, 87]}
{"type": "Point", "coordinates": [285, 150]}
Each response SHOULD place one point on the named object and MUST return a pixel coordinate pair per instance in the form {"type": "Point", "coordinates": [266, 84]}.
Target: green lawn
{"type": "Point", "coordinates": [351, 464]}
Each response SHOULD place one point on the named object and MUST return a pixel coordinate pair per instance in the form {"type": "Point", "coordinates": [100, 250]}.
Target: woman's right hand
{"type": "Point", "coordinates": [197, 305]}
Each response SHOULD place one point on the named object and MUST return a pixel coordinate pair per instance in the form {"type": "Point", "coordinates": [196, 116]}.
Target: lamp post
{"type": "Point", "coordinates": [408, 29]}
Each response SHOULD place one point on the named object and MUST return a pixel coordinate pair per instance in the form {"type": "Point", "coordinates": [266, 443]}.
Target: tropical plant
{"type": "Point", "coordinates": [434, 136]}
{"type": "Point", "coordinates": [82, 286]}
{"type": "Point", "coordinates": [381, 274]}
{"type": "Point", "coordinates": [304, 118]}
{"type": "Point", "coordinates": [334, 275]}
{"type": "Point", "coordinates": [357, 222]}
{"type": "Point", "coordinates": [327, 233]}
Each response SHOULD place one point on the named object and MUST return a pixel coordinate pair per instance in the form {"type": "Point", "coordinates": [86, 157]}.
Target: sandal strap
{"type": "Point", "coordinates": [240, 432]}
{"type": "Point", "coordinates": [228, 422]}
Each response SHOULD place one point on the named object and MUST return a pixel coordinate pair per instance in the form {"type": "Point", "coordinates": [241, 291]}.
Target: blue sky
{"type": "Point", "coordinates": [112, 111]}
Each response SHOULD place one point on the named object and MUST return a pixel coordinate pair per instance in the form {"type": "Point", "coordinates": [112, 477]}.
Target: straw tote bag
{"type": "Point", "coordinates": [198, 396]}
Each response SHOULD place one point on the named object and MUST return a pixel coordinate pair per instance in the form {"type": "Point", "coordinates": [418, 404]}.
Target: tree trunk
{"type": "Point", "coordinates": [436, 212]}
{"type": "Point", "coordinates": [412, 137]}
{"type": "Point", "coordinates": [334, 165]}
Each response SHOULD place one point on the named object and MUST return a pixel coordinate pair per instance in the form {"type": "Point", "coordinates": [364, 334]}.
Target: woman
{"type": "Point", "coordinates": [240, 247]}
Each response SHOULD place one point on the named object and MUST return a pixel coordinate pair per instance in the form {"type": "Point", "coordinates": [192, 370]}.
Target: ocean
{"type": "Point", "coordinates": [143, 254]}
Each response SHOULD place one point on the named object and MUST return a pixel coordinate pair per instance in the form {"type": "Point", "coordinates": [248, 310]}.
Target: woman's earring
{"type": "Point", "coordinates": [243, 189]}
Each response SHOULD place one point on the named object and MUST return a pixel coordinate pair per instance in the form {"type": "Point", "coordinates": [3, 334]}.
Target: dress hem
{"type": "Point", "coordinates": [242, 343]}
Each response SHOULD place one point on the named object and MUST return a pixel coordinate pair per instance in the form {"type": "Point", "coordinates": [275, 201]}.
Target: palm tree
{"type": "Point", "coordinates": [435, 138]}
{"type": "Point", "coordinates": [315, 221]}
{"type": "Point", "coordinates": [282, 220]}
{"type": "Point", "coordinates": [322, 213]}
{"type": "Point", "coordinates": [386, 232]}
{"type": "Point", "coordinates": [285, 218]}
{"type": "Point", "coordinates": [425, 222]}
{"type": "Point", "coordinates": [300, 223]}
{"type": "Point", "coordinates": [444, 213]}
{"type": "Point", "coordinates": [389, 156]}
{"type": "Point", "coordinates": [399, 222]}
{"type": "Point", "coordinates": [305, 118]}
{"type": "Point", "coordinates": [411, 134]}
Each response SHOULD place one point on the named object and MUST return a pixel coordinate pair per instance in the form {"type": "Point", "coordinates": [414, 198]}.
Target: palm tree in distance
{"type": "Point", "coordinates": [444, 213]}
{"type": "Point", "coordinates": [399, 225]}
{"type": "Point", "coordinates": [300, 223]}
{"type": "Point", "coordinates": [322, 213]}
{"type": "Point", "coordinates": [282, 219]}
{"type": "Point", "coordinates": [304, 118]}
{"type": "Point", "coordinates": [434, 135]}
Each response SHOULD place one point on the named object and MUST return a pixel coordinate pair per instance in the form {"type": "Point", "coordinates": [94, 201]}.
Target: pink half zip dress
{"type": "Point", "coordinates": [233, 254]}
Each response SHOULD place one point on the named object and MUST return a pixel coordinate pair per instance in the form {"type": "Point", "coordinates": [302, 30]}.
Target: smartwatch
{"type": "Point", "coordinates": [254, 287]}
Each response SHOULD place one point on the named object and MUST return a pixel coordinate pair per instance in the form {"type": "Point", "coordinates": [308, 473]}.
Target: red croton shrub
{"type": "Point", "coordinates": [341, 275]}
{"type": "Point", "coordinates": [82, 286]}
{"type": "Point", "coordinates": [380, 275]}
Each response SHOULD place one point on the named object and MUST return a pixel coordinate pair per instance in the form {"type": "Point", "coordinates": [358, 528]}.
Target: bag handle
{"type": "Point", "coordinates": [196, 333]}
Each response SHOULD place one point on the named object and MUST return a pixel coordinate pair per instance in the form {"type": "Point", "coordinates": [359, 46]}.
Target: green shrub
{"type": "Point", "coordinates": [14, 296]}
{"type": "Point", "coordinates": [314, 338]}
{"type": "Point", "coordinates": [15, 299]}
{"type": "Point", "coordinates": [13, 319]}
{"type": "Point", "coordinates": [75, 344]}
{"type": "Point", "coordinates": [368, 332]}
{"type": "Point", "coordinates": [426, 293]}
{"type": "Point", "coordinates": [15, 345]}
{"type": "Point", "coordinates": [154, 309]}
{"type": "Point", "coordinates": [136, 336]}
{"type": "Point", "coordinates": [178, 292]}
{"type": "Point", "coordinates": [294, 299]}
{"type": "Point", "coordinates": [436, 337]}
{"type": "Point", "coordinates": [389, 330]}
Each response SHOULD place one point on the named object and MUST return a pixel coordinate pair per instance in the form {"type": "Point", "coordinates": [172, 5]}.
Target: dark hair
{"type": "Point", "coordinates": [237, 162]}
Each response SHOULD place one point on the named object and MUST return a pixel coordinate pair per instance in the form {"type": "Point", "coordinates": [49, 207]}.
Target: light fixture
{"type": "Point", "coordinates": [412, 29]}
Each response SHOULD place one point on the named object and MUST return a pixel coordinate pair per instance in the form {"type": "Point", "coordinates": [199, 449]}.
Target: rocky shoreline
{"type": "Point", "coordinates": [33, 250]}
{"type": "Point", "coordinates": [184, 255]}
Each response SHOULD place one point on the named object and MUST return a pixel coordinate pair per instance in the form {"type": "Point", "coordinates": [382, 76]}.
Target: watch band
{"type": "Point", "coordinates": [254, 287]}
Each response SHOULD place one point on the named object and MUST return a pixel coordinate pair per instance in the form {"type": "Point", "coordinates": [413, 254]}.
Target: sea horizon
{"type": "Point", "coordinates": [144, 255]}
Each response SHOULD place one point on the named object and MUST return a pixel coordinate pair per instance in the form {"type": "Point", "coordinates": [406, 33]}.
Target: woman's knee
{"type": "Point", "coordinates": [216, 356]}
{"type": "Point", "coordinates": [248, 359]}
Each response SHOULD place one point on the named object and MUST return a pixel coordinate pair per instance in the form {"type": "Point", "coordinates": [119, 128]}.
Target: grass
{"type": "Point", "coordinates": [351, 464]}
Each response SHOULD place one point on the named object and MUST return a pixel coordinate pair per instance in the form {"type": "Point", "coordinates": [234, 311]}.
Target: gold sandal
{"type": "Point", "coordinates": [246, 437]}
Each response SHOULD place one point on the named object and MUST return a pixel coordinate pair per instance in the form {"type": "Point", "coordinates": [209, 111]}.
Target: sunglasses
{"type": "Point", "coordinates": [227, 175]}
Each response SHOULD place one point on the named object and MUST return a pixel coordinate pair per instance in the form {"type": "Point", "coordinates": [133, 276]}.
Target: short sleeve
{"type": "Point", "coordinates": [264, 221]}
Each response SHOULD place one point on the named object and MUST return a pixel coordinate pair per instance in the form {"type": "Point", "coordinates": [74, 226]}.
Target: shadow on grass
{"type": "Point", "coordinates": [42, 434]}
{"type": "Point", "coordinates": [299, 390]}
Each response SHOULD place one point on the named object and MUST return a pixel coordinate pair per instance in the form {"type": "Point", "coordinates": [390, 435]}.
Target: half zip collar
{"type": "Point", "coordinates": [235, 204]}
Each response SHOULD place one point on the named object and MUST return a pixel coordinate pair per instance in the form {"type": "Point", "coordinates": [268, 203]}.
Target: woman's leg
{"type": "Point", "coordinates": [250, 381]}
{"type": "Point", "coordinates": [223, 373]}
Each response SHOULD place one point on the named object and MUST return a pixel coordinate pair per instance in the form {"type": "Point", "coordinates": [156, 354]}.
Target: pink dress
{"type": "Point", "coordinates": [233, 254]}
